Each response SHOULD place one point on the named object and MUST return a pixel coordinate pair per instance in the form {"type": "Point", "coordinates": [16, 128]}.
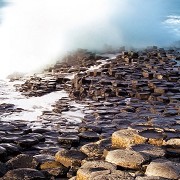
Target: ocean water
{"type": "Point", "coordinates": [33, 107]}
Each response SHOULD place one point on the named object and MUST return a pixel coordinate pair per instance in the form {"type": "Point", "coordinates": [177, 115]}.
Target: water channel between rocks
{"type": "Point", "coordinates": [33, 107]}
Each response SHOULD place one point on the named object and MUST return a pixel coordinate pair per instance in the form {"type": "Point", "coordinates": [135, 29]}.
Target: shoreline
{"type": "Point", "coordinates": [130, 128]}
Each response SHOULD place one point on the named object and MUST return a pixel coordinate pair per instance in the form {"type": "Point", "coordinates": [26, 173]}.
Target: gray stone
{"type": "Point", "coordinates": [163, 168]}
{"type": "Point", "coordinates": [126, 158]}
{"type": "Point", "coordinates": [88, 169]}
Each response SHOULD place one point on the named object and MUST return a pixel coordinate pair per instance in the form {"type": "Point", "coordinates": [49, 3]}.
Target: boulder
{"type": "Point", "coordinates": [126, 158]}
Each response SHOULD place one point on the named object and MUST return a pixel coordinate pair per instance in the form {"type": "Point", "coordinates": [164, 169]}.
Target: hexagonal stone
{"type": "Point", "coordinates": [150, 150]}
{"type": "Point", "coordinates": [112, 176]}
{"type": "Point", "coordinates": [154, 136]}
{"type": "Point", "coordinates": [70, 157]}
{"type": "Point", "coordinates": [60, 171]}
{"type": "Point", "coordinates": [163, 168]}
{"type": "Point", "coordinates": [22, 161]}
{"type": "Point", "coordinates": [96, 149]}
{"type": "Point", "coordinates": [12, 149]}
{"type": "Point", "coordinates": [89, 135]}
{"type": "Point", "coordinates": [27, 141]}
{"type": "Point", "coordinates": [88, 169]}
{"type": "Point", "coordinates": [69, 139]}
{"type": "Point", "coordinates": [24, 173]}
{"type": "Point", "coordinates": [127, 137]}
{"type": "Point", "coordinates": [174, 142]}
{"type": "Point", "coordinates": [126, 158]}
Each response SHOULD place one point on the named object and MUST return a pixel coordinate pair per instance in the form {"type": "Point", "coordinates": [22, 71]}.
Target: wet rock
{"type": "Point", "coordinates": [70, 157]}
{"type": "Point", "coordinates": [22, 161]}
{"type": "Point", "coordinates": [12, 149]}
{"type": "Point", "coordinates": [7, 127]}
{"type": "Point", "coordinates": [88, 169]}
{"type": "Point", "coordinates": [3, 169]}
{"type": "Point", "coordinates": [73, 140]}
{"type": "Point", "coordinates": [27, 141]}
{"type": "Point", "coordinates": [9, 138]}
{"type": "Point", "coordinates": [89, 135]}
{"type": "Point", "coordinates": [163, 168]}
{"type": "Point", "coordinates": [94, 128]}
{"type": "Point", "coordinates": [24, 173]}
{"type": "Point", "coordinates": [127, 158]}
{"type": "Point", "coordinates": [173, 152]}
{"type": "Point", "coordinates": [127, 137]}
{"type": "Point", "coordinates": [3, 154]}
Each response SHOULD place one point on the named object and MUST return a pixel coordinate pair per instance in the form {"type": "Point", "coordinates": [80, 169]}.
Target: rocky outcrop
{"type": "Point", "coordinates": [130, 129]}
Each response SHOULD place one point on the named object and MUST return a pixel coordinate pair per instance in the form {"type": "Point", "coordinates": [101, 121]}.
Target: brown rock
{"type": "Point", "coordinates": [70, 157]}
{"type": "Point", "coordinates": [89, 169]}
{"type": "Point", "coordinates": [127, 137]}
{"type": "Point", "coordinates": [22, 161]}
{"type": "Point", "coordinates": [24, 173]}
{"type": "Point", "coordinates": [163, 168]}
{"type": "Point", "coordinates": [115, 175]}
{"type": "Point", "coordinates": [126, 158]}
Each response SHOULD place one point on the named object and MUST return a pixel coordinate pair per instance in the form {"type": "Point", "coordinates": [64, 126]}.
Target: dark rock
{"type": "Point", "coordinates": [11, 148]}
{"type": "Point", "coordinates": [3, 154]}
{"type": "Point", "coordinates": [24, 173]}
{"type": "Point", "coordinates": [3, 169]}
{"type": "Point", "coordinates": [89, 135]}
{"type": "Point", "coordinates": [22, 161]}
{"type": "Point", "coordinates": [73, 140]}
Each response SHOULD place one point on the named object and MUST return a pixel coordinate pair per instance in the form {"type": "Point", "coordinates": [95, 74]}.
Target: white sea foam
{"type": "Point", "coordinates": [36, 32]}
{"type": "Point", "coordinates": [34, 106]}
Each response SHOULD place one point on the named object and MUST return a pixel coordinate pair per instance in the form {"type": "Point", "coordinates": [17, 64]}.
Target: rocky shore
{"type": "Point", "coordinates": [130, 128]}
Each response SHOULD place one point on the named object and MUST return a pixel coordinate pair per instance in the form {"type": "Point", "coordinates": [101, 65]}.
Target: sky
{"type": "Point", "coordinates": [37, 32]}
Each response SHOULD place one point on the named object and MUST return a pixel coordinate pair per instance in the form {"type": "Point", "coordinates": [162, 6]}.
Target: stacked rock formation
{"type": "Point", "coordinates": [130, 129]}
